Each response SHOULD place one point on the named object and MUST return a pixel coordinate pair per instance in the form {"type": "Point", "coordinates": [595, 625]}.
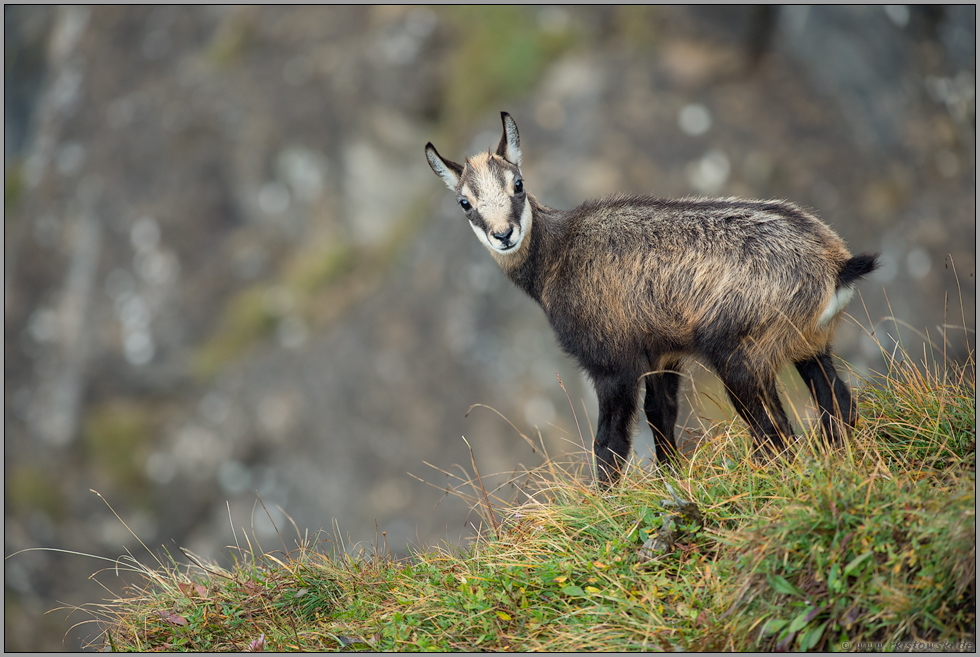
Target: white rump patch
{"type": "Point", "coordinates": [835, 306]}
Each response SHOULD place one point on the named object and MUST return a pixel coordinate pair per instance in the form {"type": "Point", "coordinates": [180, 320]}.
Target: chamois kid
{"type": "Point", "coordinates": [633, 284]}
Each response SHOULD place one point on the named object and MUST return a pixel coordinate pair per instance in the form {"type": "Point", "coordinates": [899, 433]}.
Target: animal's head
{"type": "Point", "coordinates": [490, 189]}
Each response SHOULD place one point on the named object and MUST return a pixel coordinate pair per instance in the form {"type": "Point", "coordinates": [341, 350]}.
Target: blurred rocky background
{"type": "Point", "coordinates": [229, 273]}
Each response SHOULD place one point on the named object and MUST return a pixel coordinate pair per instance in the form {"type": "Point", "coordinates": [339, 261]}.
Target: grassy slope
{"type": "Point", "coordinates": [875, 542]}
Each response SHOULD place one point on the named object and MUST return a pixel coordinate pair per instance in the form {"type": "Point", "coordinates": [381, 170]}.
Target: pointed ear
{"type": "Point", "coordinates": [448, 170]}
{"type": "Point", "coordinates": [510, 141]}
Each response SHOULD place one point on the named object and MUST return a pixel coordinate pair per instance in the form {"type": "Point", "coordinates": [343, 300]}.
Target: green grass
{"type": "Point", "coordinates": [873, 542]}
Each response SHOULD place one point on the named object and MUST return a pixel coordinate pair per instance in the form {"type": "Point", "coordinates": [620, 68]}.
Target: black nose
{"type": "Point", "coordinates": [505, 237]}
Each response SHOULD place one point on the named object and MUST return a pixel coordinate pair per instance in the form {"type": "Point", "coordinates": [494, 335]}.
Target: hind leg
{"type": "Point", "coordinates": [660, 407]}
{"type": "Point", "coordinates": [831, 395]}
{"type": "Point", "coordinates": [757, 401]}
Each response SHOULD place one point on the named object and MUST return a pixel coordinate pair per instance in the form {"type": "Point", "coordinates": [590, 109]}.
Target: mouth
{"type": "Point", "coordinates": [508, 247]}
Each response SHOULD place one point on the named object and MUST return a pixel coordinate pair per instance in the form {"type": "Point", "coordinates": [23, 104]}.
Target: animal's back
{"type": "Point", "coordinates": [684, 275]}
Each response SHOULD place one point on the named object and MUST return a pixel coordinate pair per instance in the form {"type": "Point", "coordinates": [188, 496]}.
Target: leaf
{"type": "Point", "coordinates": [812, 638]}
{"type": "Point", "coordinates": [503, 616]}
{"type": "Point", "coordinates": [834, 582]}
{"type": "Point", "coordinates": [190, 590]}
{"type": "Point", "coordinates": [591, 589]}
{"type": "Point", "coordinates": [855, 562]}
{"type": "Point", "coordinates": [783, 644]}
{"type": "Point", "coordinates": [816, 611]}
{"type": "Point", "coordinates": [801, 620]}
{"type": "Point", "coordinates": [559, 579]}
{"type": "Point", "coordinates": [573, 591]}
{"type": "Point", "coordinates": [599, 565]}
{"type": "Point", "coordinates": [172, 618]}
{"type": "Point", "coordinates": [782, 585]}
{"type": "Point", "coordinates": [354, 644]}
{"type": "Point", "coordinates": [252, 587]}
{"type": "Point", "coordinates": [774, 626]}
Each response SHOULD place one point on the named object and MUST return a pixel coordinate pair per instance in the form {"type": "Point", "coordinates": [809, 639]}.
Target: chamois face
{"type": "Point", "coordinates": [491, 194]}
{"type": "Point", "coordinates": [490, 190]}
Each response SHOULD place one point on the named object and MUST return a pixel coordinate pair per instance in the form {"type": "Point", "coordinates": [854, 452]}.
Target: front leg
{"type": "Point", "coordinates": [617, 412]}
{"type": "Point", "coordinates": [660, 406]}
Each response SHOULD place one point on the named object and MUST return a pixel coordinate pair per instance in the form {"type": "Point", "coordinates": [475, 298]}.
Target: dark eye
{"type": "Point", "coordinates": [463, 203]}
{"type": "Point", "coordinates": [518, 186]}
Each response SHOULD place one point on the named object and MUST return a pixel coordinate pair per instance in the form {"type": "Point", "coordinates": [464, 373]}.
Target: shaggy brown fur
{"type": "Point", "coordinates": [633, 284]}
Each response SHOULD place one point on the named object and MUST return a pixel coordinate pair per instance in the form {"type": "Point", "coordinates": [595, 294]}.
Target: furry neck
{"type": "Point", "coordinates": [526, 267]}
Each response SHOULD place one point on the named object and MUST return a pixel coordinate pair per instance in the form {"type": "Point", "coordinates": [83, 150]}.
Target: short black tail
{"type": "Point", "coordinates": [857, 267]}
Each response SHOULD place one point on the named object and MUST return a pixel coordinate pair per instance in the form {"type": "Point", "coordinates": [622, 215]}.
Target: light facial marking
{"type": "Point", "coordinates": [525, 221]}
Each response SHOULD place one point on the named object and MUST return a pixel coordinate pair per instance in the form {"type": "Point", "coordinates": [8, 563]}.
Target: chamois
{"type": "Point", "coordinates": [633, 285]}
